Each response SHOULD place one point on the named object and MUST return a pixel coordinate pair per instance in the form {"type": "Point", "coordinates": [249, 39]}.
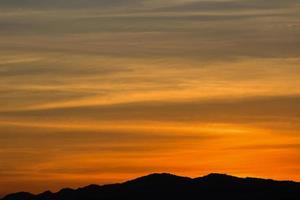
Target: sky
{"type": "Point", "coordinates": [101, 91]}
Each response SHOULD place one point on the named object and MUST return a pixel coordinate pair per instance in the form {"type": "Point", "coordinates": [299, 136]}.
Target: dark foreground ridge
{"type": "Point", "coordinates": [167, 186]}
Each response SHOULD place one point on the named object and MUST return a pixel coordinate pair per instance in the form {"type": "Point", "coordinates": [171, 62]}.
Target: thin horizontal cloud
{"type": "Point", "coordinates": [166, 5]}
{"type": "Point", "coordinates": [57, 4]}
{"type": "Point", "coordinates": [53, 68]}
{"type": "Point", "coordinates": [268, 147]}
{"type": "Point", "coordinates": [231, 5]}
{"type": "Point", "coordinates": [239, 110]}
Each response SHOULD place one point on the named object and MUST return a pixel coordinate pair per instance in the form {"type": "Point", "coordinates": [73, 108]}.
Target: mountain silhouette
{"type": "Point", "coordinates": [168, 186]}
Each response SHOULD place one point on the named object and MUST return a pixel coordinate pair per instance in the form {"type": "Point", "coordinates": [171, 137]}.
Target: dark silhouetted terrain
{"type": "Point", "coordinates": [167, 186]}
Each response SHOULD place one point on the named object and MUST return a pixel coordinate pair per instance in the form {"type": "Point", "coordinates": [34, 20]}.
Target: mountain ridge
{"type": "Point", "coordinates": [165, 185]}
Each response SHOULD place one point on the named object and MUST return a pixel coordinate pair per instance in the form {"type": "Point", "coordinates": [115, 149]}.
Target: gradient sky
{"type": "Point", "coordinates": [100, 91]}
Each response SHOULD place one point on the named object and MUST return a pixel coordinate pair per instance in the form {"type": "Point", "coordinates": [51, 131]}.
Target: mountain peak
{"type": "Point", "coordinates": [158, 178]}
{"type": "Point", "coordinates": [219, 176]}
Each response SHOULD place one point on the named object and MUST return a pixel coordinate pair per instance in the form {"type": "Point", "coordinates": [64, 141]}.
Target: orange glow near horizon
{"type": "Point", "coordinates": [105, 91]}
{"type": "Point", "coordinates": [190, 149]}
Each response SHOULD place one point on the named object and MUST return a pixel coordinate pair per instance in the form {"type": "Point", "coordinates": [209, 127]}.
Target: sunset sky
{"type": "Point", "coordinates": [101, 91]}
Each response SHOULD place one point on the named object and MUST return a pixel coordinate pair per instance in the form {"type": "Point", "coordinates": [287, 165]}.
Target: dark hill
{"type": "Point", "coordinates": [167, 186]}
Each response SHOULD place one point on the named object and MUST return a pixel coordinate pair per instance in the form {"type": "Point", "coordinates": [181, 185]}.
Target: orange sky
{"type": "Point", "coordinates": [104, 91]}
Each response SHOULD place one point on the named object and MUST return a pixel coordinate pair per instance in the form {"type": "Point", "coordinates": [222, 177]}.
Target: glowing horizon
{"type": "Point", "coordinates": [104, 91]}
